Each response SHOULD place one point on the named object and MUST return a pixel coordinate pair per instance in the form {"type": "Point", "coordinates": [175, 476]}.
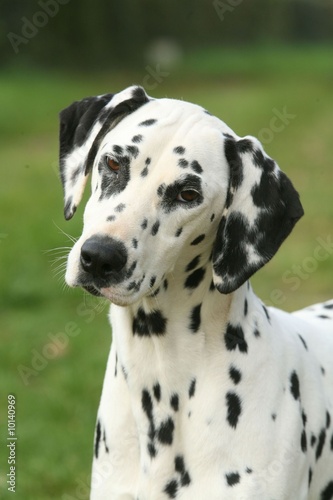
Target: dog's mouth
{"type": "Point", "coordinates": [109, 294]}
{"type": "Point", "coordinates": [92, 290]}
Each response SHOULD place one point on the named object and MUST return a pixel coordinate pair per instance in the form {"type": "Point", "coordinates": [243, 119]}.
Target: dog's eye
{"type": "Point", "coordinates": [112, 164]}
{"type": "Point", "coordinates": [187, 196]}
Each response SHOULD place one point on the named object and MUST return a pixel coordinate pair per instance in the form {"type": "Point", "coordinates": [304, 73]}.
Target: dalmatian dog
{"type": "Point", "coordinates": [208, 393]}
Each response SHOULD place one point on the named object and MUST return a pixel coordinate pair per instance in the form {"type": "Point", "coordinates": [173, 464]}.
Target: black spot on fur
{"type": "Point", "coordinates": [234, 337]}
{"type": "Point", "coordinates": [148, 123]}
{"type": "Point", "coordinates": [161, 189]}
{"type": "Point", "coordinates": [147, 406]}
{"type": "Point", "coordinates": [185, 479]}
{"type": "Point", "coordinates": [120, 208]}
{"type": "Point", "coordinates": [303, 441]}
{"type": "Point", "coordinates": [321, 443]}
{"type": "Point", "coordinates": [245, 307]}
{"type": "Point", "coordinates": [198, 240]}
{"type": "Point", "coordinates": [327, 493]}
{"type": "Point", "coordinates": [244, 146]}
{"type": "Point", "coordinates": [174, 402]}
{"type": "Point", "coordinates": [193, 264]}
{"type": "Point", "coordinates": [132, 150]}
{"type": "Point", "coordinates": [116, 366]}
{"type": "Point", "coordinates": [191, 391]}
{"type": "Point", "coordinates": [165, 431]}
{"type": "Point", "coordinates": [97, 438]}
{"type": "Point", "coordinates": [151, 450]}
{"type": "Point", "coordinates": [179, 150]}
{"type": "Point", "coordinates": [155, 228]}
{"type": "Point", "coordinates": [146, 324]}
{"type": "Point", "coordinates": [256, 333]}
{"type": "Point", "coordinates": [294, 385]}
{"type": "Point", "coordinates": [171, 489]}
{"type": "Point", "coordinates": [310, 477]}
{"type": "Point", "coordinates": [195, 278]}
{"type": "Point", "coordinates": [137, 138]}
{"type": "Point", "coordinates": [117, 149]}
{"type": "Point", "coordinates": [328, 420]}
{"type": "Point", "coordinates": [157, 391]}
{"type": "Point", "coordinates": [303, 341]}
{"type": "Point", "coordinates": [111, 218]}
{"type": "Point", "coordinates": [304, 418]}
{"type": "Point", "coordinates": [144, 172]}
{"type": "Point", "coordinates": [152, 281]}
{"type": "Point", "coordinates": [123, 369]}
{"type": "Point", "coordinates": [182, 163]}
{"type": "Point", "coordinates": [179, 232]}
{"type": "Point", "coordinates": [232, 478]}
{"type": "Point", "coordinates": [144, 224]}
{"type": "Point", "coordinates": [195, 318]}
{"type": "Point", "coordinates": [266, 313]}
{"type": "Point", "coordinates": [235, 374]}
{"type": "Point", "coordinates": [196, 167]}
{"type": "Point", "coordinates": [105, 443]}
{"type": "Point", "coordinates": [135, 243]}
{"type": "Point", "coordinates": [234, 408]}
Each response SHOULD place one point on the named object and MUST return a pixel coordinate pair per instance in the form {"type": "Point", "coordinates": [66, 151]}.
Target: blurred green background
{"type": "Point", "coordinates": [265, 67]}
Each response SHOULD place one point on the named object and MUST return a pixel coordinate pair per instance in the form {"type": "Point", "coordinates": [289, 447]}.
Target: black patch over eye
{"type": "Point", "coordinates": [184, 192]}
{"type": "Point", "coordinates": [112, 164]}
{"type": "Point", "coordinates": [187, 196]}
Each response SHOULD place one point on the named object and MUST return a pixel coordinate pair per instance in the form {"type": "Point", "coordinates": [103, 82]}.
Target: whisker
{"type": "Point", "coordinates": [71, 238]}
{"type": "Point", "coordinates": [57, 250]}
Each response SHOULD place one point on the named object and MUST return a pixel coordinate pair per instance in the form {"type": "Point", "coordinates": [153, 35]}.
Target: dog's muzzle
{"type": "Point", "coordinates": [102, 261]}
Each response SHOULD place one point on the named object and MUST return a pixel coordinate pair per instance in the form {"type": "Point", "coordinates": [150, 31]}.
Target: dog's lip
{"type": "Point", "coordinates": [92, 290]}
{"type": "Point", "coordinates": [107, 293]}
{"type": "Point", "coordinates": [114, 297]}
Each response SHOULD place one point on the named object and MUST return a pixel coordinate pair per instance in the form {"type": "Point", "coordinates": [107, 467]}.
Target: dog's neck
{"type": "Point", "coordinates": [179, 327]}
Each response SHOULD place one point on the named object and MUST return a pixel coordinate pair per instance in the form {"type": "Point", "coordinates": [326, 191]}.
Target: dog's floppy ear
{"type": "Point", "coordinates": [261, 209]}
{"type": "Point", "coordinates": [83, 125]}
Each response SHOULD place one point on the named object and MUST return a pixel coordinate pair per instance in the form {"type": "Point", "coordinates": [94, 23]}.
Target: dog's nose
{"type": "Point", "coordinates": [103, 257]}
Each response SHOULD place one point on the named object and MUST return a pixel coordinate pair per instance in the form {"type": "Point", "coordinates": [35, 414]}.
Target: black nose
{"type": "Point", "coordinates": [103, 258]}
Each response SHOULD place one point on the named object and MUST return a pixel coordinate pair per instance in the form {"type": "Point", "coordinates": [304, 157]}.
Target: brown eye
{"type": "Point", "coordinates": [112, 164]}
{"type": "Point", "coordinates": [188, 196]}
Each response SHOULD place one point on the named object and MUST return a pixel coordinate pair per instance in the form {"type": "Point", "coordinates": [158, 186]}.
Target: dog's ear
{"type": "Point", "coordinates": [82, 127]}
{"type": "Point", "coordinates": [261, 209]}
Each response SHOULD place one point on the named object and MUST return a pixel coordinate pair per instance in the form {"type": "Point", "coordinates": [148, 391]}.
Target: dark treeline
{"type": "Point", "coordinates": [80, 32]}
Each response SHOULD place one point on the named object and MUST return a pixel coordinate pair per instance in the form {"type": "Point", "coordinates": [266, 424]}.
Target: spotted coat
{"type": "Point", "coordinates": [208, 393]}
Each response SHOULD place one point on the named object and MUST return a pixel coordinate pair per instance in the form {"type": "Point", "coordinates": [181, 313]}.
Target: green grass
{"type": "Point", "coordinates": [56, 407]}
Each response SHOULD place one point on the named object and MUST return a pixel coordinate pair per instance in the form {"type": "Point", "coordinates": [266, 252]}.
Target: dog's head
{"type": "Point", "coordinates": [171, 186]}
